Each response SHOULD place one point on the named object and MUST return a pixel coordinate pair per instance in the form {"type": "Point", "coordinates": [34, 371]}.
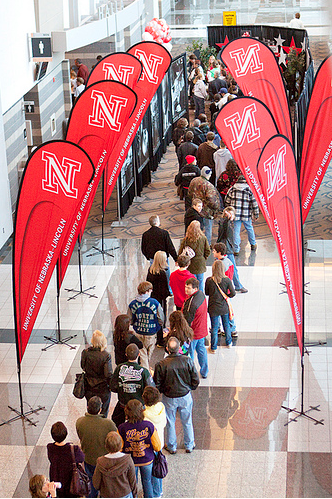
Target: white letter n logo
{"type": "Point", "coordinates": [108, 111]}
{"type": "Point", "coordinates": [60, 175]}
{"type": "Point", "coordinates": [276, 172]}
{"type": "Point", "coordinates": [243, 127]}
{"type": "Point", "coordinates": [150, 66]}
{"type": "Point", "coordinates": [247, 60]}
{"type": "Point", "coordinates": [121, 73]}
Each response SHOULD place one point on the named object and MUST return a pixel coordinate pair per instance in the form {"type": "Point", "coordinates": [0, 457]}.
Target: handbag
{"type": "Point", "coordinates": [80, 484]}
{"type": "Point", "coordinates": [159, 466]}
{"type": "Point", "coordinates": [230, 308]}
{"type": "Point", "coordinates": [188, 251]}
{"type": "Point", "coordinates": [79, 386]}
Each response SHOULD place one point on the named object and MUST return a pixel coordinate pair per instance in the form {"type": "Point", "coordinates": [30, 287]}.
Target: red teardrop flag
{"type": "Point", "coordinates": [317, 142]}
{"type": "Point", "coordinates": [55, 178]}
{"type": "Point", "coordinates": [256, 70]}
{"type": "Point", "coordinates": [156, 61]}
{"type": "Point", "coordinates": [119, 66]}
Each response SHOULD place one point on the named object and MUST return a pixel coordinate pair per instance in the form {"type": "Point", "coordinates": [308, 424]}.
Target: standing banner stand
{"type": "Point", "coordinates": [283, 187]}
{"type": "Point", "coordinates": [81, 291]}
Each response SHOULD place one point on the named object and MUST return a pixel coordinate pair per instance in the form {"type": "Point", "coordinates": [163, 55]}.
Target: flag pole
{"type": "Point", "coordinates": [103, 251]}
{"type": "Point", "coordinates": [81, 291]}
{"type": "Point", "coordinates": [57, 340]}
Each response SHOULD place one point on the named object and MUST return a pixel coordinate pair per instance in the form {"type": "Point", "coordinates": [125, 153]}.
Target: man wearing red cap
{"type": "Point", "coordinates": [186, 148]}
{"type": "Point", "coordinates": [186, 174]}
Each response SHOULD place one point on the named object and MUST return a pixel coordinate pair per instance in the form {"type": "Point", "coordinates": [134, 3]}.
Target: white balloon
{"type": "Point", "coordinates": [147, 37]}
{"type": "Point", "coordinates": [168, 46]}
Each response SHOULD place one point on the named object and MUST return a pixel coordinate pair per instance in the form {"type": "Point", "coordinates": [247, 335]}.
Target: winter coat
{"type": "Point", "coordinates": [195, 311]}
{"type": "Point", "coordinates": [202, 251]}
{"type": "Point", "coordinates": [204, 190]}
{"type": "Point", "coordinates": [190, 215]}
{"type": "Point", "coordinates": [157, 415]}
{"type": "Point", "coordinates": [242, 199]}
{"type": "Point", "coordinates": [217, 303]}
{"type": "Point", "coordinates": [183, 151]}
{"type": "Point", "coordinates": [115, 476]}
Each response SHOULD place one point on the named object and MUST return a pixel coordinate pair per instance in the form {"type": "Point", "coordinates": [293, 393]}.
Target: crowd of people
{"type": "Point", "coordinates": [115, 448]}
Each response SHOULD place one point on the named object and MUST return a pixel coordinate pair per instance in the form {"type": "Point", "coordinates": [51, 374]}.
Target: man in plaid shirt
{"type": "Point", "coordinates": [242, 199]}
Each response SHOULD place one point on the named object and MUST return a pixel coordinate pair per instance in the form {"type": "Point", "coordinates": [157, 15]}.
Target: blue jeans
{"type": "Point", "coordinates": [207, 222]}
{"type": "Point", "coordinates": [228, 326]}
{"type": "Point", "coordinates": [199, 346]}
{"type": "Point", "coordinates": [129, 495]}
{"type": "Point", "coordinates": [250, 230]}
{"type": "Point", "coordinates": [146, 477]}
{"type": "Point", "coordinates": [185, 406]}
{"type": "Point", "coordinates": [90, 471]}
{"type": "Point", "coordinates": [157, 485]}
{"type": "Point", "coordinates": [200, 278]}
{"type": "Point", "coordinates": [236, 278]}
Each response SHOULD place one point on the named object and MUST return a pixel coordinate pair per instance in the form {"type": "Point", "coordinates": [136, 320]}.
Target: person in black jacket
{"type": "Point", "coordinates": [189, 171]}
{"type": "Point", "coordinates": [199, 136]}
{"type": "Point", "coordinates": [157, 239]}
{"type": "Point", "coordinates": [122, 337]}
{"type": "Point", "coordinates": [186, 148]}
{"type": "Point", "coordinates": [97, 365]}
{"type": "Point", "coordinates": [175, 377]}
{"type": "Point", "coordinates": [158, 278]}
{"type": "Point", "coordinates": [194, 213]}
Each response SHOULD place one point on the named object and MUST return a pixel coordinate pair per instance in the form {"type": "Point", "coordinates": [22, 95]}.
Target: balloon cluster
{"type": "Point", "coordinates": [158, 31]}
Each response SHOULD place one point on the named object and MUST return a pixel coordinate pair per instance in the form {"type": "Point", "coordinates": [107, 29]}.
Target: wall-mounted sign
{"type": "Point", "coordinates": [29, 106]}
{"type": "Point", "coordinates": [41, 47]}
{"type": "Point", "coordinates": [229, 18]}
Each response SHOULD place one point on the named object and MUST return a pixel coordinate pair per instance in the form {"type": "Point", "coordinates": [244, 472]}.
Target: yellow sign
{"type": "Point", "coordinates": [229, 18]}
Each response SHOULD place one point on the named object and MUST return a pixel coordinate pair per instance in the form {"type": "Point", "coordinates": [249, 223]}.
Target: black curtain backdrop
{"type": "Point", "coordinates": [302, 106]}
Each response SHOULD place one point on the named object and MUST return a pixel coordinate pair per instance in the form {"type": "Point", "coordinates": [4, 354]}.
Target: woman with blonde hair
{"type": "Point", "coordinates": [40, 486]}
{"type": "Point", "coordinates": [218, 287]}
{"type": "Point", "coordinates": [97, 366]}
{"type": "Point", "coordinates": [196, 240]}
{"type": "Point", "coordinates": [158, 278]}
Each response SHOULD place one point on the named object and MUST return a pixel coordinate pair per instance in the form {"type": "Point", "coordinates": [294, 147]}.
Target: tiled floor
{"type": "Point", "coordinates": [244, 446]}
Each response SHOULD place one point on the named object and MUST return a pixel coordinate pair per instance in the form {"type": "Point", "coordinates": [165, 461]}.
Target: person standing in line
{"type": "Point", "coordinates": [157, 239]}
{"type": "Point", "coordinates": [40, 486]}
{"type": "Point", "coordinates": [195, 312]}
{"type": "Point", "coordinates": [226, 236]}
{"type": "Point", "coordinates": [175, 377]}
{"type": "Point", "coordinates": [215, 288]}
{"type": "Point", "coordinates": [205, 155]}
{"type": "Point", "coordinates": [122, 337]}
{"type": "Point", "coordinates": [61, 461]}
{"type": "Point", "coordinates": [128, 381]}
{"type": "Point", "coordinates": [186, 148]}
{"type": "Point", "coordinates": [220, 158]}
{"type": "Point", "coordinates": [97, 365]}
{"type": "Point", "coordinates": [228, 178]}
{"type": "Point", "coordinates": [92, 430]}
{"type": "Point", "coordinates": [178, 280]}
{"type": "Point", "coordinates": [158, 278]}
{"type": "Point", "coordinates": [179, 132]}
{"type": "Point", "coordinates": [242, 199]}
{"type": "Point", "coordinates": [188, 172]}
{"type": "Point", "coordinates": [197, 241]}
{"type": "Point", "coordinates": [155, 413]}
{"type": "Point", "coordinates": [147, 318]}
{"type": "Point", "coordinates": [200, 94]}
{"type": "Point", "coordinates": [180, 329]}
{"type": "Point", "coordinates": [114, 475]}
{"type": "Point", "coordinates": [141, 440]}
{"type": "Point", "coordinates": [194, 213]}
{"type": "Point", "coordinates": [80, 87]}
{"type": "Point", "coordinates": [202, 188]}
{"type": "Point", "coordinates": [82, 70]}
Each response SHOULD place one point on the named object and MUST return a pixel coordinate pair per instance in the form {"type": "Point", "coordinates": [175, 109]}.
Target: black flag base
{"type": "Point", "coordinates": [59, 341]}
{"type": "Point", "coordinates": [81, 292]}
{"type": "Point", "coordinates": [103, 251]}
{"type": "Point", "coordinates": [23, 415]}
{"type": "Point", "coordinates": [304, 414]}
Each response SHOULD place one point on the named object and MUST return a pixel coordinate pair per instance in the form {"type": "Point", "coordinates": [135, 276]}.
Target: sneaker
{"type": "Point", "coordinates": [242, 290]}
{"type": "Point", "coordinates": [253, 247]}
{"type": "Point", "coordinates": [235, 334]}
{"type": "Point", "coordinates": [212, 351]}
{"type": "Point", "coordinates": [169, 450]}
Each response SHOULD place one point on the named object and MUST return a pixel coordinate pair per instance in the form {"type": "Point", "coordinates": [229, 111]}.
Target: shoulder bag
{"type": "Point", "coordinates": [80, 482]}
{"type": "Point", "coordinates": [79, 386]}
{"type": "Point", "coordinates": [230, 308]}
{"type": "Point", "coordinates": [188, 251]}
{"type": "Point", "coordinates": [159, 466]}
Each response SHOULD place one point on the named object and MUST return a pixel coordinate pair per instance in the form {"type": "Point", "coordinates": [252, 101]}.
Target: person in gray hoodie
{"type": "Point", "coordinates": [114, 475]}
{"type": "Point", "coordinates": [220, 158]}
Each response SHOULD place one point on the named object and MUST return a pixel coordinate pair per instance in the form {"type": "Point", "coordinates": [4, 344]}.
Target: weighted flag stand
{"type": "Point", "coordinates": [103, 251]}
{"type": "Point", "coordinates": [302, 412]}
{"type": "Point", "coordinates": [57, 340]}
{"type": "Point", "coordinates": [81, 291]}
